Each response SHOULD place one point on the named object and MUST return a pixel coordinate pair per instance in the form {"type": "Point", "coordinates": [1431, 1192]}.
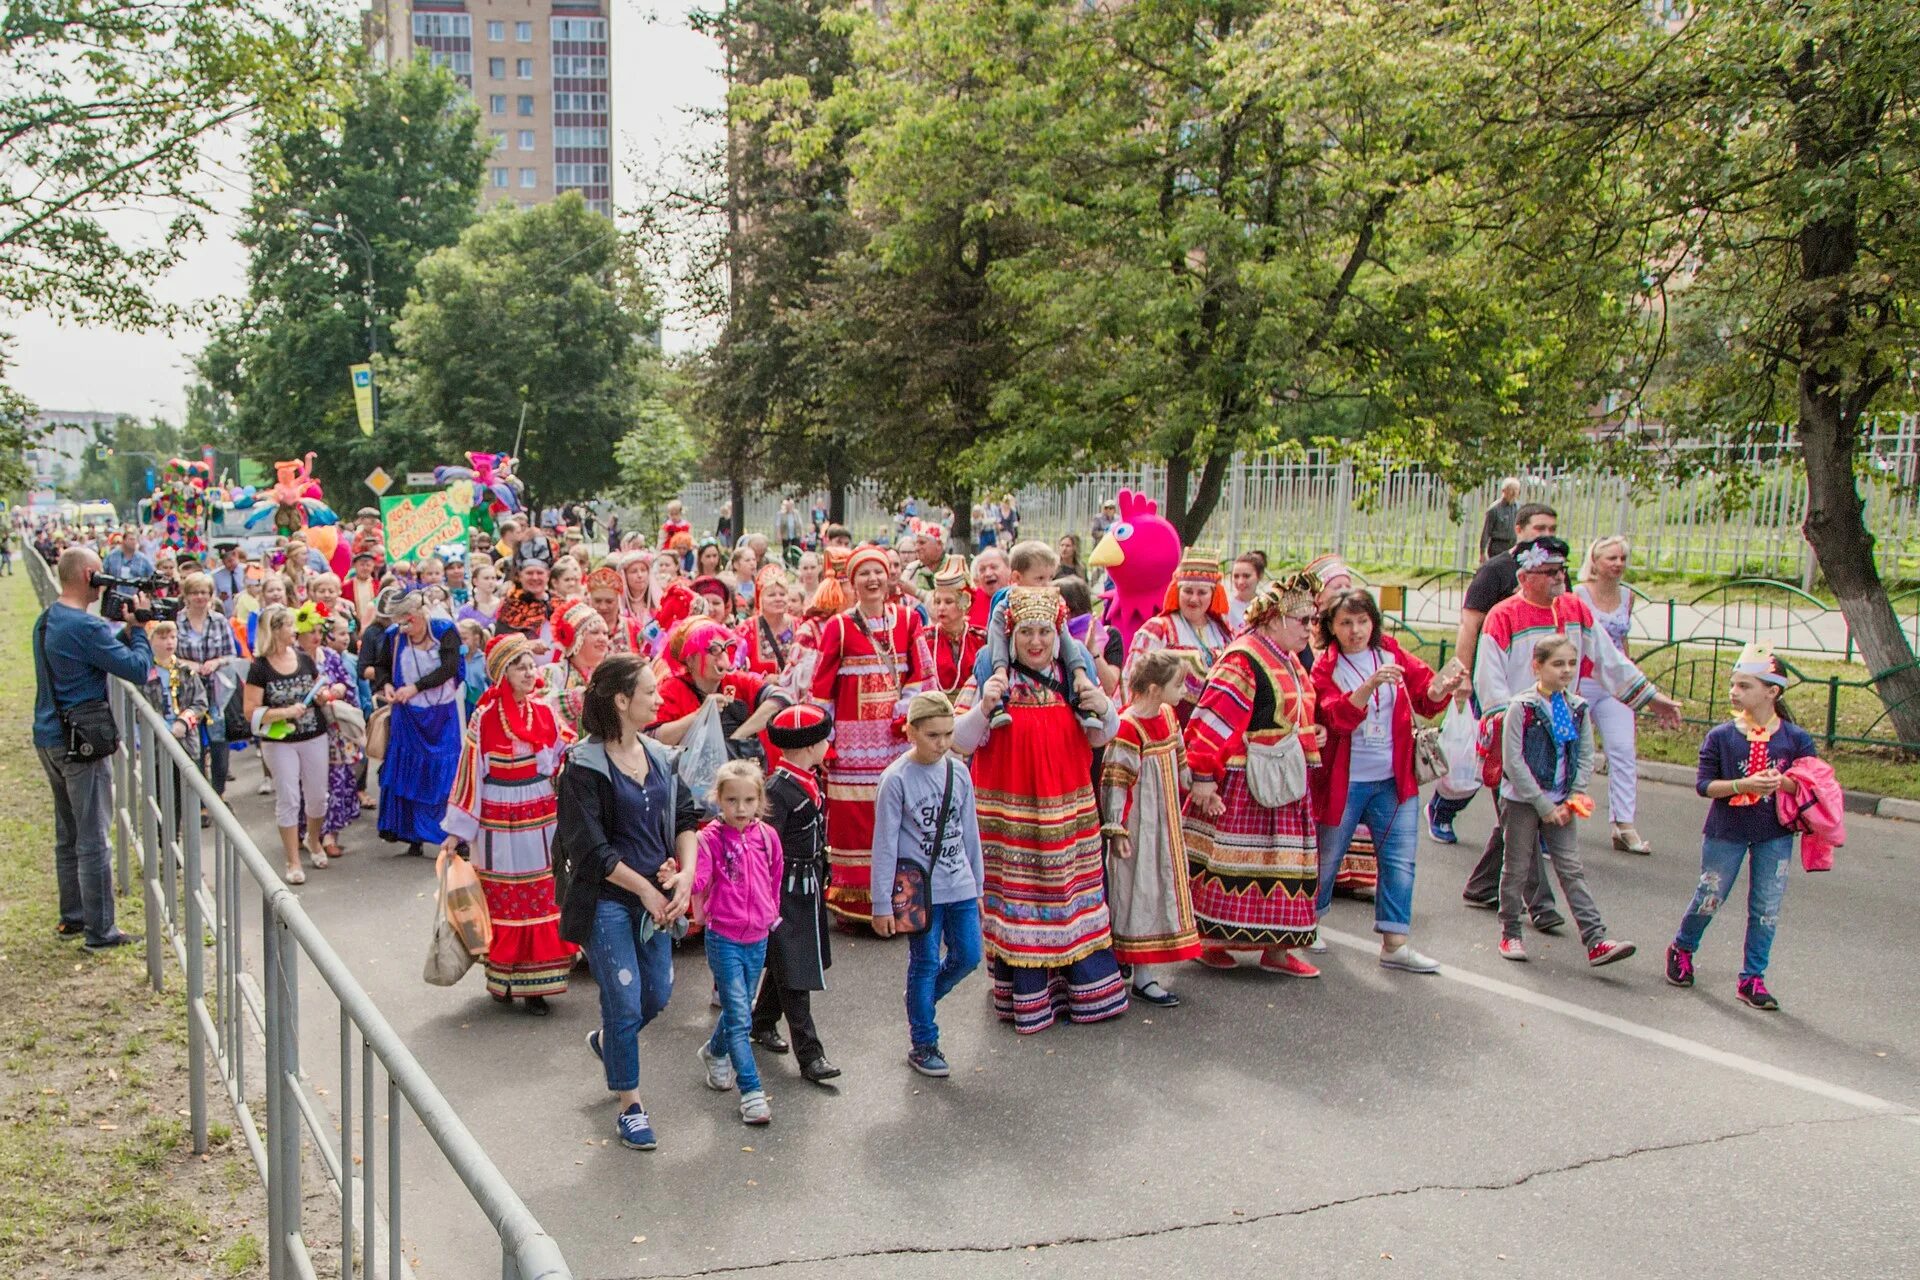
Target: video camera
{"type": "Point", "coordinates": [117, 605]}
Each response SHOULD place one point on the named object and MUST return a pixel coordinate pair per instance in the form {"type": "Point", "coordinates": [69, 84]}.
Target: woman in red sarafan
{"type": "Point", "coordinates": [1043, 910]}
{"type": "Point", "coordinates": [1256, 868]}
{"type": "Point", "coordinates": [872, 659]}
{"type": "Point", "coordinates": [503, 807]}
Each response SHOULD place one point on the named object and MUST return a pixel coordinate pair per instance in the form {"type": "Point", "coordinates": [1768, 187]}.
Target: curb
{"type": "Point", "coordinates": [1856, 801]}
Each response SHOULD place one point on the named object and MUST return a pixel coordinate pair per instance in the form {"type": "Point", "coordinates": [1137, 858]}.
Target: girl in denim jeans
{"type": "Point", "coordinates": [1742, 764]}
{"type": "Point", "coordinates": [736, 892]}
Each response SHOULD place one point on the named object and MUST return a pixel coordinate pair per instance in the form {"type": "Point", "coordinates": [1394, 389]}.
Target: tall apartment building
{"type": "Point", "coordinates": [537, 69]}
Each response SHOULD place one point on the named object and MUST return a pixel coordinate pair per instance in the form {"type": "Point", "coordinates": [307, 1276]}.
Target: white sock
{"type": "Point", "coordinates": [1142, 975]}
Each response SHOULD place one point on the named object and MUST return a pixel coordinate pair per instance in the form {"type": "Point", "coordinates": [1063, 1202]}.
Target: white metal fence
{"type": "Point", "coordinates": [205, 890]}
{"type": "Point", "coordinates": [1403, 517]}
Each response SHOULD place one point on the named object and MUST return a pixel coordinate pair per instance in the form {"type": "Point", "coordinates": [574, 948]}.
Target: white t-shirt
{"type": "Point", "coordinates": [1372, 759]}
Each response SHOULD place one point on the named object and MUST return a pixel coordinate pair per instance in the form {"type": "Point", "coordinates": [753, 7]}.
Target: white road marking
{"type": "Point", "coordinates": [1652, 1035]}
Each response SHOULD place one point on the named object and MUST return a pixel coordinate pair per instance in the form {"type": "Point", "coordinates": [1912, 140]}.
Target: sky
{"type": "Point", "coordinates": [661, 70]}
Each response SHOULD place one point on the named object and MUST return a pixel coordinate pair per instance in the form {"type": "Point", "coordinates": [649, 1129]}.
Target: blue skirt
{"type": "Point", "coordinates": [423, 754]}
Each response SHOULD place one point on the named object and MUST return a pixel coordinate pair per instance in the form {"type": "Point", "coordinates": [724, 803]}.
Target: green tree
{"type": "Point", "coordinates": [340, 218]}
{"type": "Point", "coordinates": [1760, 159]}
{"type": "Point", "coordinates": [542, 310]}
{"type": "Point", "coordinates": [117, 465]}
{"type": "Point", "coordinates": [106, 105]}
{"type": "Point", "coordinates": [656, 457]}
{"type": "Point", "coordinates": [17, 433]}
{"type": "Point", "coordinates": [750, 225]}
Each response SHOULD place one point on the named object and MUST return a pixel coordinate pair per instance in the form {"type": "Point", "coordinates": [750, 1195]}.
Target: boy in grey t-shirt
{"type": "Point", "coordinates": [907, 813]}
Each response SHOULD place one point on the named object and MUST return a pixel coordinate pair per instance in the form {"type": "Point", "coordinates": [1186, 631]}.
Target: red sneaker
{"type": "Point", "coordinates": [1513, 949]}
{"type": "Point", "coordinates": [1217, 958]}
{"type": "Point", "coordinates": [1606, 951]}
{"type": "Point", "coordinates": [1289, 966]}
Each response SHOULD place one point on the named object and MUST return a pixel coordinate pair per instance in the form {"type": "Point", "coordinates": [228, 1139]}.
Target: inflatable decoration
{"type": "Point", "coordinates": [179, 504]}
{"type": "Point", "coordinates": [488, 484]}
{"type": "Point", "coordinates": [293, 503]}
{"type": "Point", "coordinates": [1139, 554]}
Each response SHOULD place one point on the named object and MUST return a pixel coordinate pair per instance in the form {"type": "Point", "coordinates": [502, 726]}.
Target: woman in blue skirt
{"type": "Point", "coordinates": [421, 678]}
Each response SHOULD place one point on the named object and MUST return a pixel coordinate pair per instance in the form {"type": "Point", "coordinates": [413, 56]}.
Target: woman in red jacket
{"type": "Point", "coordinates": [1367, 689]}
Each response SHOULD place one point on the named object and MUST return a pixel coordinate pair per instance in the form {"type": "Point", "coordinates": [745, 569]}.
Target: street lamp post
{"type": "Point", "coordinates": [340, 227]}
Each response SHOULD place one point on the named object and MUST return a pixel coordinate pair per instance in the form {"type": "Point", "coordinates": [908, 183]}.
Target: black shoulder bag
{"type": "Point", "coordinates": [913, 887]}
{"type": "Point", "coordinates": [91, 732]}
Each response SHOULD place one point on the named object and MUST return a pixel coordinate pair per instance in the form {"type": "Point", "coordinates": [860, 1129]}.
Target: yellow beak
{"type": "Point", "coordinates": [1107, 554]}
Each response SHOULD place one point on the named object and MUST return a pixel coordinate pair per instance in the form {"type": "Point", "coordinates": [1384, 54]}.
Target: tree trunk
{"type": "Point", "coordinates": [737, 497]}
{"type": "Point", "coordinates": [960, 536]}
{"type": "Point", "coordinates": [1837, 529]}
{"type": "Point", "coordinates": [1190, 518]}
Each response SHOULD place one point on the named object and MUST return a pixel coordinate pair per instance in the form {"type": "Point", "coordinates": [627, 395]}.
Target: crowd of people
{"type": "Point", "coordinates": [764, 741]}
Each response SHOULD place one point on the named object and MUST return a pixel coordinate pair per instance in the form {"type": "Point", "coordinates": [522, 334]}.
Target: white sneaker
{"type": "Point", "coordinates": [719, 1070]}
{"type": "Point", "coordinates": [265, 788]}
{"type": "Point", "coordinates": [1319, 944]}
{"type": "Point", "coordinates": [1405, 957]}
{"type": "Point", "coordinates": [754, 1108]}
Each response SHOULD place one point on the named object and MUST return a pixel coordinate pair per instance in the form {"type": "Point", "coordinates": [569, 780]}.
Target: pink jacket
{"type": "Point", "coordinates": [1814, 805]}
{"type": "Point", "coordinates": [736, 880]}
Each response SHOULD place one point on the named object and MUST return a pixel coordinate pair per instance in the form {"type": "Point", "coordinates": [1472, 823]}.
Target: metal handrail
{"type": "Point", "coordinates": [159, 795]}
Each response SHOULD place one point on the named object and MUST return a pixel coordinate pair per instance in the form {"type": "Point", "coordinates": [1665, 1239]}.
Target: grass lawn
{"type": "Point", "coordinates": [97, 1174]}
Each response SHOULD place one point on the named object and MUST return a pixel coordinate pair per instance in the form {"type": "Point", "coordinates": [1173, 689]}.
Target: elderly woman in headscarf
{"type": "Point", "coordinates": [1192, 623]}
{"type": "Point", "coordinates": [1044, 909]}
{"type": "Point", "coordinates": [502, 807]}
{"type": "Point", "coordinates": [1250, 832]}
{"type": "Point", "coordinates": [581, 640]}
{"type": "Point", "coordinates": [420, 676]}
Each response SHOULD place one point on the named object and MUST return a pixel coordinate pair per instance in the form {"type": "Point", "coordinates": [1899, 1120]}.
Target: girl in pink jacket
{"type": "Point", "coordinates": [736, 891]}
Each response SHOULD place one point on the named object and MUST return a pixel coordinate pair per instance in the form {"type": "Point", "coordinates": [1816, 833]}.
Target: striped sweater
{"type": "Point", "coordinates": [1503, 663]}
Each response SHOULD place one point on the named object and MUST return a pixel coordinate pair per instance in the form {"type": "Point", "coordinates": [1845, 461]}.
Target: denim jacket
{"type": "Point", "coordinates": [1531, 759]}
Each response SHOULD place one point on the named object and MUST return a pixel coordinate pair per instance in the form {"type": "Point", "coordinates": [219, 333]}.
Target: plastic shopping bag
{"type": "Point", "coordinates": [448, 958]}
{"type": "Point", "coordinates": [702, 751]}
{"type": "Point", "coordinates": [1458, 734]}
{"type": "Point", "coordinates": [464, 903]}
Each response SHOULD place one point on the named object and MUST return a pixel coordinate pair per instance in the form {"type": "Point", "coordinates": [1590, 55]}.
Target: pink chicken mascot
{"type": "Point", "coordinates": [1139, 554]}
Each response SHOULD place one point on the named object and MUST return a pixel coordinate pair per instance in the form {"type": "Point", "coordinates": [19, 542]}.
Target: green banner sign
{"type": "Point", "coordinates": [416, 525]}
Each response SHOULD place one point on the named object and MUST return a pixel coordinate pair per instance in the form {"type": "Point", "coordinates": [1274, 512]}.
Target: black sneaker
{"type": "Point", "coordinates": [67, 932]}
{"type": "Point", "coordinates": [1753, 993]}
{"type": "Point", "coordinates": [1679, 967]}
{"type": "Point", "coordinates": [1479, 904]}
{"type": "Point", "coordinates": [117, 940]}
{"type": "Point", "coordinates": [1549, 922]}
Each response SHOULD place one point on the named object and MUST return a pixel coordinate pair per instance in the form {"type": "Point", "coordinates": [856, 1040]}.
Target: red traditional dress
{"type": "Point", "coordinates": [953, 660]}
{"type": "Point", "coordinates": [1199, 647]}
{"type": "Point", "coordinates": [503, 807]}
{"type": "Point", "coordinates": [1043, 912]}
{"type": "Point", "coordinates": [1141, 778]}
{"type": "Point", "coordinates": [769, 648]}
{"type": "Point", "coordinates": [866, 670]}
{"type": "Point", "coordinates": [1255, 870]}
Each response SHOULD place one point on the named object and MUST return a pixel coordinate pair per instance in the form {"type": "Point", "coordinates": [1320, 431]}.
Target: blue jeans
{"type": "Point", "coordinates": [1766, 887]}
{"type": "Point", "coordinates": [82, 865]}
{"type": "Point", "coordinates": [1395, 825]}
{"type": "Point", "coordinates": [636, 981]}
{"type": "Point", "coordinates": [736, 970]}
{"type": "Point", "coordinates": [929, 977]}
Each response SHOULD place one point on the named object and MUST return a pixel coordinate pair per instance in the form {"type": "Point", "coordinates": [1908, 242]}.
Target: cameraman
{"type": "Point", "coordinates": [74, 652]}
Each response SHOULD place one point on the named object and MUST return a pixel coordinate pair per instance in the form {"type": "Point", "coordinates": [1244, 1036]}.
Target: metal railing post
{"type": "Point", "coordinates": [196, 956]}
{"type": "Point", "coordinates": [346, 1146]}
{"type": "Point", "coordinates": [149, 830]}
{"type": "Point", "coordinates": [281, 1119]}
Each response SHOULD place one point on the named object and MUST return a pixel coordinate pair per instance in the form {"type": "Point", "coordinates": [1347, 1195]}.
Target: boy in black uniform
{"type": "Point", "coordinates": [798, 952]}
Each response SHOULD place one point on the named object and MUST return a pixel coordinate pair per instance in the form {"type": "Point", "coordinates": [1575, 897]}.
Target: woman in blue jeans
{"type": "Point", "coordinates": [1742, 764]}
{"type": "Point", "coordinates": [1367, 690]}
{"type": "Point", "coordinates": [624, 856]}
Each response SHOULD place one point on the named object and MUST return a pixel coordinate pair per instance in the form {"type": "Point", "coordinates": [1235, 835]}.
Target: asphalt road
{"type": "Point", "coordinates": [1533, 1120]}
